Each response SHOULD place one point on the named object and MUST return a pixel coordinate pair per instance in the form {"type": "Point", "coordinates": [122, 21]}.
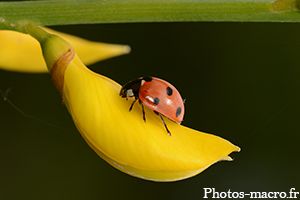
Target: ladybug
{"type": "Point", "coordinates": [157, 94]}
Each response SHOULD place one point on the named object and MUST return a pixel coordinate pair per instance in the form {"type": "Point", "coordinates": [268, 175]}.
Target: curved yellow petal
{"type": "Point", "coordinates": [20, 52]}
{"type": "Point", "coordinates": [123, 139]}
{"type": "Point", "coordinates": [89, 51]}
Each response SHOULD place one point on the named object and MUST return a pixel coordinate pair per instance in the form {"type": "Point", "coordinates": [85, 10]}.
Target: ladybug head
{"type": "Point", "coordinates": [124, 93]}
{"type": "Point", "coordinates": [131, 89]}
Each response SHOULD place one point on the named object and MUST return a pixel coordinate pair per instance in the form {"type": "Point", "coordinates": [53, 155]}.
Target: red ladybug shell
{"type": "Point", "coordinates": [162, 97]}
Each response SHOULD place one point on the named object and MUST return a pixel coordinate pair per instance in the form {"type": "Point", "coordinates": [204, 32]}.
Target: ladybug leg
{"type": "Point", "coordinates": [132, 104]}
{"type": "Point", "coordinates": [162, 119]}
{"type": "Point", "coordinates": [144, 118]}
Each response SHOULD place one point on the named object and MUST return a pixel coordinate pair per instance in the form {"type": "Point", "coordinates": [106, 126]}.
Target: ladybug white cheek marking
{"type": "Point", "coordinates": [142, 82]}
{"type": "Point", "coordinates": [130, 93]}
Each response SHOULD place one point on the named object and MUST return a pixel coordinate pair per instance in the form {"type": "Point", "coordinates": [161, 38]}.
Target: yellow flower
{"type": "Point", "coordinates": [121, 137]}
{"type": "Point", "coordinates": [20, 52]}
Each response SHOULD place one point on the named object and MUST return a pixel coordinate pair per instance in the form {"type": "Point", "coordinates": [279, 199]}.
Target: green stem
{"type": "Point", "coordinates": [36, 32]}
{"type": "Point", "coordinates": [121, 11]}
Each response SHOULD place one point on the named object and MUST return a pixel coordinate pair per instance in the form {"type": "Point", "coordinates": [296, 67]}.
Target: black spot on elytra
{"type": "Point", "coordinates": [178, 111]}
{"type": "Point", "coordinates": [156, 101]}
{"type": "Point", "coordinates": [169, 91]}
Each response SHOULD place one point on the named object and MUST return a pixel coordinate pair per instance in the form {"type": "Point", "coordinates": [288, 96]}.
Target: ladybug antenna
{"type": "Point", "coordinates": [183, 101]}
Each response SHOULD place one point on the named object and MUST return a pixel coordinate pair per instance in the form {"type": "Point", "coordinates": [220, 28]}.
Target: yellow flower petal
{"type": "Point", "coordinates": [20, 52]}
{"type": "Point", "coordinates": [124, 140]}
{"type": "Point", "coordinates": [91, 52]}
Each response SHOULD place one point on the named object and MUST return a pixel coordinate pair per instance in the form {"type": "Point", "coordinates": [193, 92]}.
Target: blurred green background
{"type": "Point", "coordinates": [240, 80]}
